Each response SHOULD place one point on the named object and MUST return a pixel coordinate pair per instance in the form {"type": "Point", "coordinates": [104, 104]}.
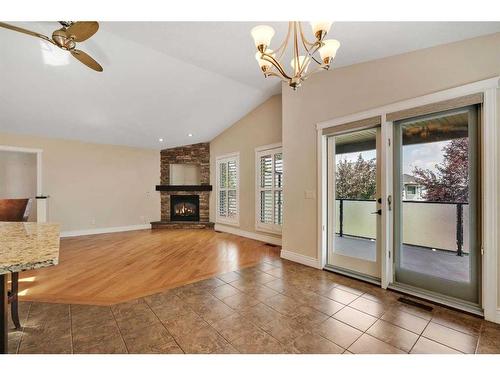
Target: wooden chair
{"type": "Point", "coordinates": [15, 210]}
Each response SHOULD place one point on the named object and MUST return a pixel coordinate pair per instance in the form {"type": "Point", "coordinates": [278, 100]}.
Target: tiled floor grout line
{"type": "Point", "coordinates": [202, 318]}
{"type": "Point", "coordinates": [453, 329]}
{"type": "Point", "coordinates": [210, 325]}
{"type": "Point", "coordinates": [164, 326]}
{"type": "Point", "coordinates": [71, 328]}
{"type": "Point", "coordinates": [23, 327]}
{"type": "Point", "coordinates": [366, 330]}
{"type": "Point", "coordinates": [378, 318]}
{"type": "Point", "coordinates": [119, 330]}
{"type": "Point", "coordinates": [239, 313]}
{"type": "Point", "coordinates": [479, 337]}
{"type": "Point", "coordinates": [260, 302]}
{"type": "Point", "coordinates": [420, 335]}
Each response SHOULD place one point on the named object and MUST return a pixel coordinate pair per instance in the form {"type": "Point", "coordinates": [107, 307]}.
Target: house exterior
{"type": "Point", "coordinates": [412, 190]}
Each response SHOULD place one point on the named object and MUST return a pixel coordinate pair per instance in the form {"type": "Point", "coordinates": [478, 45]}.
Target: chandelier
{"type": "Point", "coordinates": [304, 52]}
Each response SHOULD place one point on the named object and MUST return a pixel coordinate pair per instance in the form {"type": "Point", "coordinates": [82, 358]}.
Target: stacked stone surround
{"type": "Point", "coordinates": [198, 154]}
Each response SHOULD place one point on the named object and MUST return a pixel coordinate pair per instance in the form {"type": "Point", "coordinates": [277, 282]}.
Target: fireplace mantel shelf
{"type": "Point", "coordinates": [183, 187]}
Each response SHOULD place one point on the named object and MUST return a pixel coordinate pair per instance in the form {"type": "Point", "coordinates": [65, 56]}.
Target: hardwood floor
{"type": "Point", "coordinates": [110, 268]}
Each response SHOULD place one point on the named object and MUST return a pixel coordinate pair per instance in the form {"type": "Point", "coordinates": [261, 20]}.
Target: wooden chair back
{"type": "Point", "coordinates": [15, 209]}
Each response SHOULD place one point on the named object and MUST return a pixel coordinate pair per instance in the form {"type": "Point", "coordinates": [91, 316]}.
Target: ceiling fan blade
{"type": "Point", "coordinates": [86, 59]}
{"type": "Point", "coordinates": [25, 31]}
{"type": "Point", "coordinates": [82, 30]}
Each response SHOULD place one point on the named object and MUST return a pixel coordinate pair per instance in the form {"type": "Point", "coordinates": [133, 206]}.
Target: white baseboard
{"type": "Point", "coordinates": [497, 317]}
{"type": "Point", "coordinates": [302, 259]}
{"type": "Point", "coordinates": [243, 233]}
{"type": "Point", "coordinates": [85, 232]}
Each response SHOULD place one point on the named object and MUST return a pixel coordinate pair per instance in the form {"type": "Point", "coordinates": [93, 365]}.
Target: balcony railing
{"type": "Point", "coordinates": [433, 225]}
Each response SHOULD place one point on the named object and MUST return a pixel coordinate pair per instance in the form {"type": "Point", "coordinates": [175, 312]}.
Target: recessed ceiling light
{"type": "Point", "coordinates": [160, 139]}
{"type": "Point", "coordinates": [190, 135]}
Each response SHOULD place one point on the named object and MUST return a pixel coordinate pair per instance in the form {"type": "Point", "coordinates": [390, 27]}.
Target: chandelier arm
{"type": "Point", "coordinates": [318, 46]}
{"type": "Point", "coordinates": [282, 48]}
{"type": "Point", "coordinates": [297, 65]}
{"type": "Point", "coordinates": [304, 64]}
{"type": "Point", "coordinates": [304, 39]}
{"type": "Point", "coordinates": [307, 60]}
{"type": "Point", "coordinates": [275, 63]}
{"type": "Point", "coordinates": [275, 74]}
{"type": "Point", "coordinates": [316, 70]}
{"type": "Point", "coordinates": [311, 54]}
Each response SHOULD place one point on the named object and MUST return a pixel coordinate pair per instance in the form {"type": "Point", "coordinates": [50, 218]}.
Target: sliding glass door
{"type": "Point", "coordinates": [436, 218]}
{"type": "Point", "coordinates": [353, 202]}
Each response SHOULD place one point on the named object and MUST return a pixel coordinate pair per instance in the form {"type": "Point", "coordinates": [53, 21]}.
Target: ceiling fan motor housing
{"type": "Point", "coordinates": [62, 40]}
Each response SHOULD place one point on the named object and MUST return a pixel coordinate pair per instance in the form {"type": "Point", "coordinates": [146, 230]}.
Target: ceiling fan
{"type": "Point", "coordinates": [66, 37]}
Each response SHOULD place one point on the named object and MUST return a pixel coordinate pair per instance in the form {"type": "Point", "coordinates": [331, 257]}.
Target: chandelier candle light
{"type": "Point", "coordinates": [269, 60]}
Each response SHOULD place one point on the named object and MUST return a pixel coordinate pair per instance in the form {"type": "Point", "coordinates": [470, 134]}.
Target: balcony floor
{"type": "Point", "coordinates": [443, 264]}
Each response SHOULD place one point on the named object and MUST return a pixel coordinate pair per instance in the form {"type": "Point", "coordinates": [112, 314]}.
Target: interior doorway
{"type": "Point", "coordinates": [21, 177]}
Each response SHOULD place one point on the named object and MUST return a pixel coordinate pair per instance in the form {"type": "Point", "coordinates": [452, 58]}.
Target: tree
{"type": "Point", "coordinates": [356, 179]}
{"type": "Point", "coordinates": [451, 181]}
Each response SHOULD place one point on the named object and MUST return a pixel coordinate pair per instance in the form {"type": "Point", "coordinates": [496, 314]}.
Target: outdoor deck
{"type": "Point", "coordinates": [443, 264]}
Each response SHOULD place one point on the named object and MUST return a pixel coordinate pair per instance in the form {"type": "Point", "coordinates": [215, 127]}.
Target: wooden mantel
{"type": "Point", "coordinates": [183, 187]}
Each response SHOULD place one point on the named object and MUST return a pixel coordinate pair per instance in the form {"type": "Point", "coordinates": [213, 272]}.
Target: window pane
{"type": "Point", "coordinates": [355, 195]}
{"type": "Point", "coordinates": [435, 198]}
{"type": "Point", "coordinates": [223, 175]}
{"type": "Point", "coordinates": [232, 175]}
{"type": "Point", "coordinates": [266, 207]}
{"type": "Point", "coordinates": [266, 171]}
{"type": "Point", "coordinates": [278, 207]}
{"type": "Point", "coordinates": [278, 170]}
{"type": "Point", "coordinates": [222, 203]}
{"type": "Point", "coordinates": [232, 205]}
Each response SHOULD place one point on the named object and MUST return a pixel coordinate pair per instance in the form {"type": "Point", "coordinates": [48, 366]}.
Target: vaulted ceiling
{"type": "Point", "coordinates": [169, 79]}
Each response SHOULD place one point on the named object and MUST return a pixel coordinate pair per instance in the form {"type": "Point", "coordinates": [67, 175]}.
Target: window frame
{"type": "Point", "coordinates": [272, 149]}
{"type": "Point", "coordinates": [235, 220]}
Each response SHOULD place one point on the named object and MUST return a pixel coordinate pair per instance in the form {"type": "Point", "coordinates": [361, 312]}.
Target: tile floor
{"type": "Point", "coordinates": [273, 307]}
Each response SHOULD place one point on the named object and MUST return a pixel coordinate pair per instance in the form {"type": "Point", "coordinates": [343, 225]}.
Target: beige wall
{"type": "Point", "coordinates": [357, 88]}
{"type": "Point", "coordinates": [93, 185]}
{"type": "Point", "coordinates": [18, 177]}
{"type": "Point", "coordinates": [260, 127]}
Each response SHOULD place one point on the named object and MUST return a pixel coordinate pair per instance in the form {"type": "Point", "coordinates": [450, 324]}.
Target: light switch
{"type": "Point", "coordinates": [310, 194]}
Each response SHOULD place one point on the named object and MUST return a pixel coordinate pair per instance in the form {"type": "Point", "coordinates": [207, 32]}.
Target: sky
{"type": "Point", "coordinates": [425, 155]}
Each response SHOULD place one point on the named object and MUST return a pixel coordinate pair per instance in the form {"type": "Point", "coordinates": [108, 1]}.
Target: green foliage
{"type": "Point", "coordinates": [356, 179]}
{"type": "Point", "coordinates": [450, 183]}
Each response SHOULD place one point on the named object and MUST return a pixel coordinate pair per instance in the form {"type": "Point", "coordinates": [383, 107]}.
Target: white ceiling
{"type": "Point", "coordinates": [168, 79]}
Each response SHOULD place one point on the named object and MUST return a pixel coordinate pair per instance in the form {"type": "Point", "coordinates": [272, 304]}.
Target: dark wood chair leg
{"type": "Point", "coordinates": [4, 326]}
{"type": "Point", "coordinates": [14, 310]}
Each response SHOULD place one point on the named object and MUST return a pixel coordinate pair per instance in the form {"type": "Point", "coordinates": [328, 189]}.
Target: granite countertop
{"type": "Point", "coordinates": [26, 246]}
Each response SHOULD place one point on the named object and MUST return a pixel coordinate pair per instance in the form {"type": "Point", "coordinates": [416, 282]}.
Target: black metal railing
{"type": "Point", "coordinates": [459, 218]}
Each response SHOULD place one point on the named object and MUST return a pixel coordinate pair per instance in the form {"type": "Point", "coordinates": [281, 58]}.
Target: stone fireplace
{"type": "Point", "coordinates": [185, 187]}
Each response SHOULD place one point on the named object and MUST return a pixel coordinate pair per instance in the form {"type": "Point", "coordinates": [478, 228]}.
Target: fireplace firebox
{"type": "Point", "coordinates": [185, 208]}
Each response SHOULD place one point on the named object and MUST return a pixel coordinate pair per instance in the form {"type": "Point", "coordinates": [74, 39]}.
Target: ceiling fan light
{"type": "Point", "coordinates": [262, 36]}
{"type": "Point", "coordinates": [321, 28]}
{"type": "Point", "coordinates": [328, 50]}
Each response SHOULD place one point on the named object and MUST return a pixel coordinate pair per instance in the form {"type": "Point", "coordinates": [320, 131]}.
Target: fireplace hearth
{"type": "Point", "coordinates": [184, 208]}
